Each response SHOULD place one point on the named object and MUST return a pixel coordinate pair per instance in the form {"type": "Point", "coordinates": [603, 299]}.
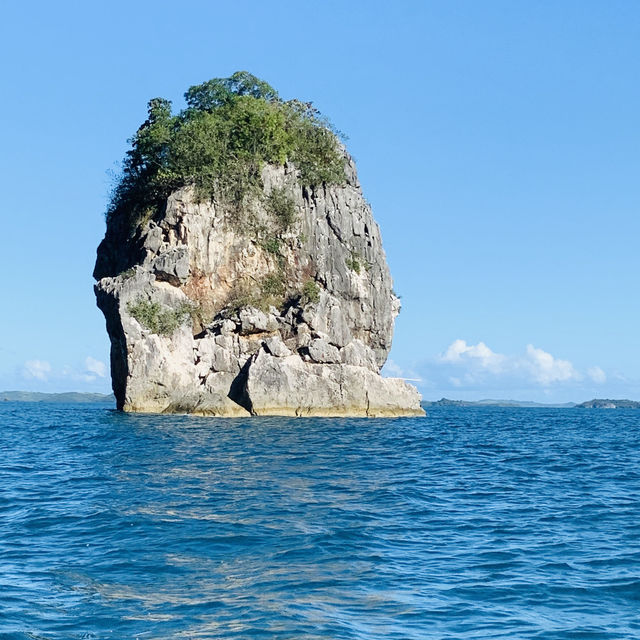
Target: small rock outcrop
{"type": "Point", "coordinates": [216, 309]}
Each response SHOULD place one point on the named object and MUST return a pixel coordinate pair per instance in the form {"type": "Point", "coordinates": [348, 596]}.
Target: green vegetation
{"type": "Point", "coordinates": [356, 262]}
{"type": "Point", "coordinates": [273, 287]}
{"type": "Point", "coordinates": [230, 128]}
{"type": "Point", "coordinates": [129, 273]}
{"type": "Point", "coordinates": [269, 291]}
{"type": "Point", "coordinates": [282, 207]}
{"type": "Point", "coordinates": [310, 292]}
{"type": "Point", "coordinates": [158, 319]}
{"type": "Point", "coordinates": [241, 296]}
{"type": "Point", "coordinates": [353, 262]}
{"type": "Point", "coordinates": [271, 245]}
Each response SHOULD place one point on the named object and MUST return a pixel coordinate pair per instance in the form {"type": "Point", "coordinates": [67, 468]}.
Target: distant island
{"type": "Point", "coordinates": [69, 396]}
{"type": "Point", "coordinates": [600, 403]}
{"type": "Point", "coordinates": [596, 403]}
{"type": "Point", "coordinates": [446, 402]}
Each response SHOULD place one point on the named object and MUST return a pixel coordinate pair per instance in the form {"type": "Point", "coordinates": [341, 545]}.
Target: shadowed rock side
{"type": "Point", "coordinates": [215, 311]}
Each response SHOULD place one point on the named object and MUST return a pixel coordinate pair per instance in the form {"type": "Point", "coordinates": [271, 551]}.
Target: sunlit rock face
{"type": "Point", "coordinates": [220, 310]}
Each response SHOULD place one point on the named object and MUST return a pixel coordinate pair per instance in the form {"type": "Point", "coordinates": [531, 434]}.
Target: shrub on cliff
{"type": "Point", "coordinates": [158, 318]}
{"type": "Point", "coordinates": [219, 142]}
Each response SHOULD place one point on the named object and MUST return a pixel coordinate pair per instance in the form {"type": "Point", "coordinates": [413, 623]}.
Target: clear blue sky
{"type": "Point", "coordinates": [497, 141]}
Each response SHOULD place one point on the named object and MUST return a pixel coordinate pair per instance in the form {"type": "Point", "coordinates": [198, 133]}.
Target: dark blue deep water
{"type": "Point", "coordinates": [470, 523]}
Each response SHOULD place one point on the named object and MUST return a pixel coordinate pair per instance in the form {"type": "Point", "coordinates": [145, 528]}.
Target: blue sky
{"type": "Point", "coordinates": [497, 141]}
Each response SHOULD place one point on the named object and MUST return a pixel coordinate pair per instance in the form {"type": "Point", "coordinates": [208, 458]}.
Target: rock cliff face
{"type": "Point", "coordinates": [219, 311]}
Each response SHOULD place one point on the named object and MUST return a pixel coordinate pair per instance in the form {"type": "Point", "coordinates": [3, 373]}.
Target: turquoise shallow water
{"type": "Point", "coordinates": [470, 523]}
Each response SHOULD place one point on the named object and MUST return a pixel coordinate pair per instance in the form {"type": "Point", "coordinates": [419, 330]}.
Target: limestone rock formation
{"type": "Point", "coordinates": [215, 313]}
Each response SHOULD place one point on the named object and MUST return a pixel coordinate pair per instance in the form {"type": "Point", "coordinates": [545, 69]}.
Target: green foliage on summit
{"type": "Point", "coordinates": [230, 128]}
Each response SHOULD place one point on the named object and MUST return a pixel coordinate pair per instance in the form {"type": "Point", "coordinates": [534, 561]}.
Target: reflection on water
{"type": "Point", "coordinates": [470, 523]}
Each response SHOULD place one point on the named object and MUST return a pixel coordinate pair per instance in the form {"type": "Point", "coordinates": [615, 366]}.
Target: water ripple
{"type": "Point", "coordinates": [474, 523]}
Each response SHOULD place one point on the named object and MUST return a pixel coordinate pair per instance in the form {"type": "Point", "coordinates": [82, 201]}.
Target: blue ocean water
{"type": "Point", "coordinates": [469, 523]}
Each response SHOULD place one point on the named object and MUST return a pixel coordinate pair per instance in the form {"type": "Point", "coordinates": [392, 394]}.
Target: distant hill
{"type": "Point", "coordinates": [70, 396]}
{"type": "Point", "coordinates": [602, 403]}
{"type": "Point", "coordinates": [445, 402]}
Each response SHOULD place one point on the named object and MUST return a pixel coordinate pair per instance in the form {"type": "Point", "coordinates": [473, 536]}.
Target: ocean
{"type": "Point", "coordinates": [469, 523]}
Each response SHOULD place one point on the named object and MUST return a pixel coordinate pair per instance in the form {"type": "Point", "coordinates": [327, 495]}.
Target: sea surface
{"type": "Point", "coordinates": [469, 523]}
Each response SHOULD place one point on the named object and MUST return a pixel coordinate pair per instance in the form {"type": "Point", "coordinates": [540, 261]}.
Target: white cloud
{"type": "Point", "coordinates": [38, 369]}
{"type": "Point", "coordinates": [597, 375]}
{"type": "Point", "coordinates": [459, 351]}
{"type": "Point", "coordinates": [546, 369]}
{"type": "Point", "coordinates": [469, 365]}
{"type": "Point", "coordinates": [393, 370]}
{"type": "Point", "coordinates": [91, 371]}
{"type": "Point", "coordinates": [96, 367]}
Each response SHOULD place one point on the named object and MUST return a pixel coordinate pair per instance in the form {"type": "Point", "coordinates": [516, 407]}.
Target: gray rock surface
{"type": "Point", "coordinates": [220, 345]}
{"type": "Point", "coordinates": [276, 347]}
{"type": "Point", "coordinates": [292, 387]}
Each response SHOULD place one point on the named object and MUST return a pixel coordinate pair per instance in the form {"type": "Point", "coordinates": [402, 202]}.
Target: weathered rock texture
{"type": "Point", "coordinates": [236, 353]}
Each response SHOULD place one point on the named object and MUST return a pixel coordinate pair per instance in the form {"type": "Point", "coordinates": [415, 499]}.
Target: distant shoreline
{"type": "Point", "coordinates": [81, 397]}
{"type": "Point", "coordinates": [596, 403]}
{"type": "Point", "coordinates": [68, 396]}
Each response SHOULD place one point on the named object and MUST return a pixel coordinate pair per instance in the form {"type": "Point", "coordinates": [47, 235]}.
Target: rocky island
{"type": "Point", "coordinates": [242, 272]}
{"type": "Point", "coordinates": [606, 403]}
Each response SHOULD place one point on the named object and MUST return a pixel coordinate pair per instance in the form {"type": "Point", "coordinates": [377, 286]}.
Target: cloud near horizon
{"type": "Point", "coordinates": [95, 367]}
{"type": "Point", "coordinates": [468, 365]}
{"type": "Point", "coordinates": [392, 369]}
{"type": "Point", "coordinates": [92, 370]}
{"type": "Point", "coordinates": [37, 370]}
